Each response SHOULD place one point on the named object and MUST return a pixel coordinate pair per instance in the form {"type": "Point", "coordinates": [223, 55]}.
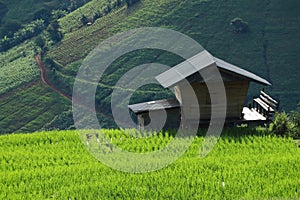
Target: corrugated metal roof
{"type": "Point", "coordinates": [185, 69]}
{"type": "Point", "coordinates": [229, 67]}
{"type": "Point", "coordinates": [197, 63]}
{"type": "Point", "coordinates": [154, 105]}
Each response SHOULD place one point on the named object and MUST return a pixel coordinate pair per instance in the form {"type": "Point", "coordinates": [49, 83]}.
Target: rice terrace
{"type": "Point", "coordinates": [143, 99]}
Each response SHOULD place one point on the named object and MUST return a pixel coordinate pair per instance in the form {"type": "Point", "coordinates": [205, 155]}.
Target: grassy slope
{"type": "Point", "coordinates": [272, 24]}
{"type": "Point", "coordinates": [282, 35]}
{"type": "Point", "coordinates": [71, 22]}
{"type": "Point", "coordinates": [57, 165]}
{"type": "Point", "coordinates": [26, 104]}
{"type": "Point", "coordinates": [29, 108]}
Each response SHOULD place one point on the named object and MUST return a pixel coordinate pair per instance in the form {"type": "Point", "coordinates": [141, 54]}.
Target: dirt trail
{"type": "Point", "coordinates": [42, 68]}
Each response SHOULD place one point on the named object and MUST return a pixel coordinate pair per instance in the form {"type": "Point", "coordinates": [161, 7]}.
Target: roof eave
{"type": "Point", "coordinates": [237, 70]}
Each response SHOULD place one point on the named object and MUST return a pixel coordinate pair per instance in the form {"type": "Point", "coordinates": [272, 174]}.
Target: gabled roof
{"type": "Point", "coordinates": [229, 67]}
{"type": "Point", "coordinates": [185, 69]}
{"type": "Point", "coordinates": [197, 63]}
{"type": "Point", "coordinates": [154, 105]}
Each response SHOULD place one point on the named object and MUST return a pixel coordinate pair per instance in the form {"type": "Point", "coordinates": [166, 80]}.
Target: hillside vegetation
{"type": "Point", "coordinates": [30, 107]}
{"type": "Point", "coordinates": [270, 47]}
{"type": "Point", "coordinates": [14, 13]}
{"type": "Point", "coordinates": [57, 165]}
{"type": "Point", "coordinates": [17, 67]}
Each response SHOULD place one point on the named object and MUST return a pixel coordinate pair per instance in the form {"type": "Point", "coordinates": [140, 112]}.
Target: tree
{"type": "Point", "coordinates": [239, 25]}
{"type": "Point", "coordinates": [119, 3]}
{"type": "Point", "coordinates": [74, 4]}
{"type": "Point", "coordinates": [5, 43]}
{"type": "Point", "coordinates": [84, 20]}
{"type": "Point", "coordinates": [40, 42]}
{"type": "Point", "coordinates": [53, 30]}
{"type": "Point", "coordinates": [131, 2]}
{"type": "Point", "coordinates": [44, 14]}
{"type": "Point", "coordinates": [29, 30]}
{"type": "Point", "coordinates": [54, 24]}
{"type": "Point", "coordinates": [106, 10]}
{"type": "Point", "coordinates": [56, 14]}
{"type": "Point", "coordinates": [97, 15]}
{"type": "Point", "coordinates": [26, 32]}
{"type": "Point", "coordinates": [55, 35]}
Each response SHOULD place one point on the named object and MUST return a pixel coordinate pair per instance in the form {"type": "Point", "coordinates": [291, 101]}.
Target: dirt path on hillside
{"type": "Point", "coordinates": [42, 68]}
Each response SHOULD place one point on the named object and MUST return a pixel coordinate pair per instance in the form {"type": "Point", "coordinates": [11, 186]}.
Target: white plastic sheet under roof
{"type": "Point", "coordinates": [154, 105]}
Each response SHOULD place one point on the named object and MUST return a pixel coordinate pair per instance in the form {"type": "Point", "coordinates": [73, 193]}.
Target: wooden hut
{"type": "Point", "coordinates": [236, 82]}
{"type": "Point", "coordinates": [158, 110]}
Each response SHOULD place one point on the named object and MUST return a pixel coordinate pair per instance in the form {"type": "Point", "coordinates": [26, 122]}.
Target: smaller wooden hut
{"type": "Point", "coordinates": [236, 82]}
{"type": "Point", "coordinates": [156, 110]}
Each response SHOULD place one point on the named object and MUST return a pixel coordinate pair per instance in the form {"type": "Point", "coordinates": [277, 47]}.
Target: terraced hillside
{"type": "Point", "coordinates": [270, 49]}
{"type": "Point", "coordinates": [26, 103]}
{"type": "Point", "coordinates": [17, 67]}
{"type": "Point", "coordinates": [30, 107]}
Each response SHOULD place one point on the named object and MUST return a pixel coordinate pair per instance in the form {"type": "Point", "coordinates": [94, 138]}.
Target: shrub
{"type": "Point", "coordinates": [283, 126]}
{"type": "Point", "coordinates": [44, 14]}
{"type": "Point", "coordinates": [51, 64]}
{"type": "Point", "coordinates": [131, 2]}
{"type": "Point", "coordinates": [295, 116]}
{"type": "Point", "coordinates": [84, 20]}
{"type": "Point", "coordinates": [40, 42]}
{"type": "Point", "coordinates": [26, 32]}
{"type": "Point", "coordinates": [54, 32]}
{"type": "Point", "coordinates": [56, 14]}
{"type": "Point", "coordinates": [97, 15]}
{"type": "Point", "coordinates": [239, 25]}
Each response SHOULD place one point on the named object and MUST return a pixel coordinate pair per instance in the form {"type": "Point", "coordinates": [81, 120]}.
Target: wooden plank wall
{"type": "Point", "coordinates": [236, 92]}
{"type": "Point", "coordinates": [172, 121]}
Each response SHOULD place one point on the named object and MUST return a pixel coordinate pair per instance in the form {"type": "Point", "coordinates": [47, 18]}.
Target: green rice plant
{"type": "Point", "coordinates": [57, 165]}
